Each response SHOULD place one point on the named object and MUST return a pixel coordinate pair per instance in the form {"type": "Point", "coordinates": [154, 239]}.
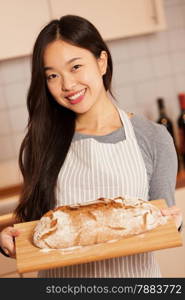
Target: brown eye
{"type": "Point", "coordinates": [76, 67]}
{"type": "Point", "coordinates": [52, 76]}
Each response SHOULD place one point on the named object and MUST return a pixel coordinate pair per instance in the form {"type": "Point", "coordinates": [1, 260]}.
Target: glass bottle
{"type": "Point", "coordinates": [166, 121]}
{"type": "Point", "coordinates": [181, 127]}
{"type": "Point", "coordinates": [163, 118]}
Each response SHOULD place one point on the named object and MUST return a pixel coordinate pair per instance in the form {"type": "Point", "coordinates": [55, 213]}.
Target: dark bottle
{"type": "Point", "coordinates": [181, 127]}
{"type": "Point", "coordinates": [163, 118]}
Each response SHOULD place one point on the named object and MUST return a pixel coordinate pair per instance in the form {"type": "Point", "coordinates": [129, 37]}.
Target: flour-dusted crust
{"type": "Point", "coordinates": [95, 222]}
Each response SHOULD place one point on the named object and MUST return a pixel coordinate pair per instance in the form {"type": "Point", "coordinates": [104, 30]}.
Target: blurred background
{"type": "Point", "coordinates": [147, 42]}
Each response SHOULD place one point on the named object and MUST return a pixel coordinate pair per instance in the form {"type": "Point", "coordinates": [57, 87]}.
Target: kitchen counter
{"type": "Point", "coordinates": [181, 179]}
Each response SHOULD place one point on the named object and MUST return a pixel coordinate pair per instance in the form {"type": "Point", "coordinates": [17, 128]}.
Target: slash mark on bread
{"type": "Point", "coordinates": [91, 215]}
{"type": "Point", "coordinates": [44, 236]}
{"type": "Point", "coordinates": [116, 228]}
{"type": "Point", "coordinates": [53, 223]}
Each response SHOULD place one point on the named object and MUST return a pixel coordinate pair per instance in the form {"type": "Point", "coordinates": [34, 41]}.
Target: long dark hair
{"type": "Point", "coordinates": [51, 126]}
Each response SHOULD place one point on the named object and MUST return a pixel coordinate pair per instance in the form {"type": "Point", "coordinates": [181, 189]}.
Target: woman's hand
{"type": "Point", "coordinates": [7, 240]}
{"type": "Point", "coordinates": [174, 212]}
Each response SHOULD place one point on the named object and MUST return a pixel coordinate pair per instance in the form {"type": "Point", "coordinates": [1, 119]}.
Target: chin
{"type": "Point", "coordinates": [81, 108]}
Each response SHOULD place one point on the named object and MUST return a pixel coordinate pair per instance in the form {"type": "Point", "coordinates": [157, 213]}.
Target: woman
{"type": "Point", "coordinates": [80, 146]}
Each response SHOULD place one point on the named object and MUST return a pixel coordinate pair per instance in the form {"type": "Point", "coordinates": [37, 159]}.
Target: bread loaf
{"type": "Point", "coordinates": [95, 222]}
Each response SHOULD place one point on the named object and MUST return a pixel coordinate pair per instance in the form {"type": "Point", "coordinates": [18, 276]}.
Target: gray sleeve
{"type": "Point", "coordinates": [163, 179]}
{"type": "Point", "coordinates": [160, 158]}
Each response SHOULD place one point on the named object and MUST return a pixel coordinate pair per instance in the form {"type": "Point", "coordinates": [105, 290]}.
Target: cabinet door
{"type": "Point", "coordinates": [20, 23]}
{"type": "Point", "coordinates": [115, 18]}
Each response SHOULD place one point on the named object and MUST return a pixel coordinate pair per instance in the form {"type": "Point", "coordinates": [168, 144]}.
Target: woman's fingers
{"type": "Point", "coordinates": [11, 231]}
{"type": "Point", "coordinates": [173, 210]}
{"type": "Point", "coordinates": [9, 247]}
{"type": "Point", "coordinates": [175, 213]}
{"type": "Point", "coordinates": [7, 240]}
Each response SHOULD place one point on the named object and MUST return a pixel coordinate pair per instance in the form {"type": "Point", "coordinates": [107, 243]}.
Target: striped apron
{"type": "Point", "coordinates": [92, 170]}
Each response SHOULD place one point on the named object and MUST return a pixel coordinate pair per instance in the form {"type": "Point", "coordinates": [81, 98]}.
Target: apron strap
{"type": "Point", "coordinates": [129, 131]}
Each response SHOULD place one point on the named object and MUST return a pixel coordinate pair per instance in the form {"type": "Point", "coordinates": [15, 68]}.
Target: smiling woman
{"type": "Point", "coordinates": [80, 147]}
{"type": "Point", "coordinates": [53, 107]}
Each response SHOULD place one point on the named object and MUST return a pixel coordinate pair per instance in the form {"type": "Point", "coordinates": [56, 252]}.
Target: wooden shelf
{"type": "Point", "coordinates": [9, 191]}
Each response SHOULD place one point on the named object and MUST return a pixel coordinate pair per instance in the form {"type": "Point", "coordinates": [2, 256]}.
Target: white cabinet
{"type": "Point", "coordinates": [20, 23]}
{"type": "Point", "coordinates": [115, 18]}
{"type": "Point", "coordinates": [22, 20]}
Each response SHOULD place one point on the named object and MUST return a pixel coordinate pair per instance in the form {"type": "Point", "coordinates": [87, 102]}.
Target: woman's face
{"type": "Point", "coordinates": [74, 75]}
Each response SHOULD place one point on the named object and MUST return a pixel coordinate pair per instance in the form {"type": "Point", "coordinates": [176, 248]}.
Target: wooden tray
{"type": "Point", "coordinates": [30, 258]}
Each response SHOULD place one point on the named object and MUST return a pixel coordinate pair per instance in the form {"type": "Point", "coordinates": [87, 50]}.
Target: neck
{"type": "Point", "coordinates": [99, 117]}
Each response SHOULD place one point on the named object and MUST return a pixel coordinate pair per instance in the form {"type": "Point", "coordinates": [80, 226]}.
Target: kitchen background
{"type": "Point", "coordinates": [146, 67]}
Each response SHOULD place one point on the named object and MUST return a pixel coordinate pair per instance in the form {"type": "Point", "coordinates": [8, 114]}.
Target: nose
{"type": "Point", "coordinates": [68, 83]}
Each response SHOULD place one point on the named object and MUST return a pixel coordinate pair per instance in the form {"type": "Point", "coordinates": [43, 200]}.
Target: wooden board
{"type": "Point", "coordinates": [30, 258]}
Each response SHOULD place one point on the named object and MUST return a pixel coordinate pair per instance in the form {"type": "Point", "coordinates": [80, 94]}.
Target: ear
{"type": "Point", "coordinates": [102, 62]}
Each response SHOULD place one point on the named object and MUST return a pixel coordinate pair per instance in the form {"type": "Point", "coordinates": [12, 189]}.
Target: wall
{"type": "Point", "coordinates": [145, 67]}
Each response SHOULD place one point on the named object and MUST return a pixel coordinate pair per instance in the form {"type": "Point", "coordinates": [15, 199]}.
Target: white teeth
{"type": "Point", "coordinates": [76, 95]}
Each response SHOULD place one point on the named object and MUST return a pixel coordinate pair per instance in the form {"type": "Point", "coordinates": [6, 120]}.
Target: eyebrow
{"type": "Point", "coordinates": [68, 62]}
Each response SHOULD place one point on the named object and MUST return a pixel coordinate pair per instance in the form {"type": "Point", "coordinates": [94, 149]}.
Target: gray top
{"type": "Point", "coordinates": [158, 151]}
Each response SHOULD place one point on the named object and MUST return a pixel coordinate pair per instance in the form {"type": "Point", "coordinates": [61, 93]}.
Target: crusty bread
{"type": "Point", "coordinates": [95, 222]}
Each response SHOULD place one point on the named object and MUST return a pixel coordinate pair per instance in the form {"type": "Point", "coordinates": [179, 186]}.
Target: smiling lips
{"type": "Point", "coordinates": [76, 98]}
